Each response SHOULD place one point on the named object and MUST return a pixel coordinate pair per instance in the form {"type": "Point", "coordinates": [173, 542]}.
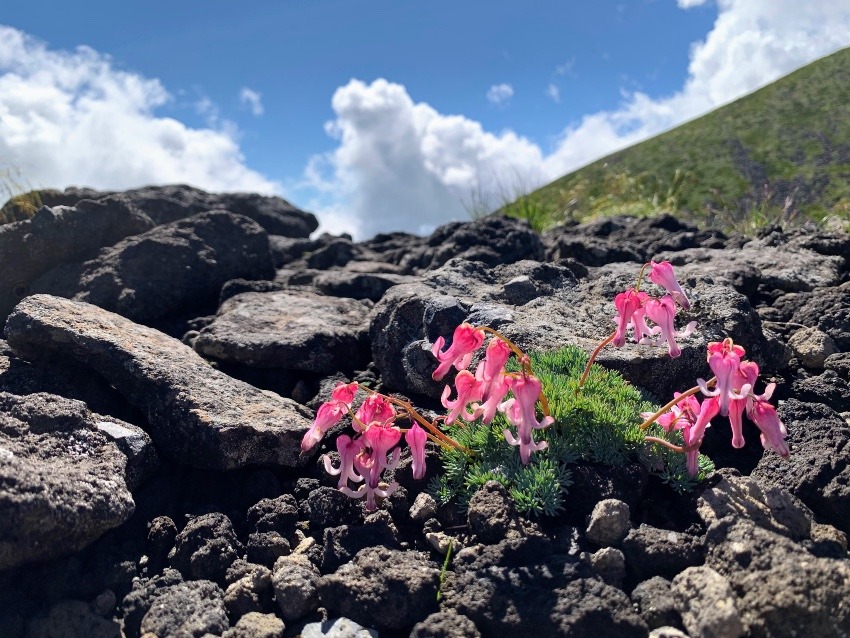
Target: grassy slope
{"type": "Point", "coordinates": [792, 136]}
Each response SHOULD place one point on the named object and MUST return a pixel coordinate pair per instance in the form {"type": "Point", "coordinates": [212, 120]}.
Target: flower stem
{"type": "Point", "coordinates": [640, 277]}
{"type": "Point", "coordinates": [684, 395]}
{"type": "Point", "coordinates": [592, 358]}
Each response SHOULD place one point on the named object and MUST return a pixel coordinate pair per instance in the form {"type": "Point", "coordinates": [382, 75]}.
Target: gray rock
{"type": "Point", "coordinates": [424, 507]}
{"type": "Point", "coordinates": [780, 268]}
{"type": "Point", "coordinates": [609, 523]}
{"type": "Point", "coordinates": [18, 376]}
{"type": "Point", "coordinates": [337, 628]}
{"type": "Point", "coordinates": [256, 625]}
{"type": "Point", "coordinates": [828, 388]}
{"type": "Point", "coordinates": [189, 610]}
{"type": "Point", "coordinates": [812, 347]}
{"type": "Point", "coordinates": [707, 603]}
{"type": "Point", "coordinates": [491, 240]}
{"type": "Point", "coordinates": [492, 514]}
{"type": "Point", "coordinates": [651, 551]}
{"type": "Point", "coordinates": [296, 587]}
{"type": "Point", "coordinates": [445, 624]}
{"type": "Point", "coordinates": [274, 515]}
{"type": "Point", "coordinates": [136, 445]}
{"type": "Point", "coordinates": [667, 632]}
{"type": "Point", "coordinates": [169, 203]}
{"type": "Point", "coordinates": [169, 269]}
{"type": "Point", "coordinates": [387, 589]}
{"type": "Point", "coordinates": [142, 596]}
{"type": "Point", "coordinates": [653, 600]}
{"type": "Point", "coordinates": [266, 547]}
{"type": "Point", "coordinates": [73, 618]}
{"type": "Point", "coordinates": [160, 540]}
{"type": "Point", "coordinates": [206, 548]}
{"type": "Point", "coordinates": [304, 332]}
{"type": "Point", "coordinates": [839, 363]}
{"type": "Point", "coordinates": [520, 585]}
{"type": "Point", "coordinates": [780, 588]}
{"type": "Point", "coordinates": [196, 415]}
{"type": "Point", "coordinates": [341, 544]}
{"type": "Point", "coordinates": [250, 594]}
{"type": "Point", "coordinates": [410, 317]}
{"type": "Point", "coordinates": [827, 309]}
{"type": "Point", "coordinates": [63, 481]}
{"type": "Point", "coordinates": [769, 507]}
{"type": "Point", "coordinates": [59, 235]}
{"type": "Point", "coordinates": [818, 469]}
{"type": "Point", "coordinates": [610, 564]}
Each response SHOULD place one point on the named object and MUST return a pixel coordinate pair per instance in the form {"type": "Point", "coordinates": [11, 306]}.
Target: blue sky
{"type": "Point", "coordinates": [377, 115]}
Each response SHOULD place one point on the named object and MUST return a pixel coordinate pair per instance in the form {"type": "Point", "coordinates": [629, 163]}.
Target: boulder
{"type": "Point", "coordinates": [168, 270]}
{"type": "Point", "coordinates": [306, 332]}
{"type": "Point", "coordinates": [63, 481]}
{"type": "Point", "coordinates": [169, 203]}
{"type": "Point", "coordinates": [818, 470]}
{"type": "Point", "coordinates": [779, 588]}
{"type": "Point", "coordinates": [61, 235]}
{"type": "Point", "coordinates": [195, 414]}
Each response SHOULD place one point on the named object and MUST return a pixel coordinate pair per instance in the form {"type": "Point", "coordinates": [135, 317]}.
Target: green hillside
{"type": "Point", "coordinates": [781, 152]}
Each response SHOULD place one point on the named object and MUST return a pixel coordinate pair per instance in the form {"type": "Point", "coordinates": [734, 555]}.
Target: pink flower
{"type": "Point", "coordinates": [465, 341]}
{"type": "Point", "coordinates": [380, 439]}
{"type": "Point", "coordinates": [348, 450]}
{"type": "Point", "coordinates": [661, 273]}
{"type": "Point", "coordinates": [490, 374]}
{"type": "Point", "coordinates": [724, 359]}
{"type": "Point", "coordinates": [416, 438]}
{"type": "Point", "coordinates": [745, 379]}
{"type": "Point", "coordinates": [468, 391]}
{"type": "Point", "coordinates": [345, 392]}
{"type": "Point", "coordinates": [492, 397]}
{"type": "Point", "coordinates": [627, 304]}
{"type": "Point", "coordinates": [663, 313]}
{"type": "Point", "coordinates": [692, 418]}
{"type": "Point", "coordinates": [521, 413]}
{"type": "Point", "coordinates": [376, 408]}
{"type": "Point", "coordinates": [329, 414]}
{"type": "Point", "coordinates": [773, 431]}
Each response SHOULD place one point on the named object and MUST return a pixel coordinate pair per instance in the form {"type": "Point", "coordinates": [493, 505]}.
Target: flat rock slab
{"type": "Point", "coordinates": [61, 480]}
{"type": "Point", "coordinates": [294, 331]}
{"type": "Point", "coordinates": [196, 414]}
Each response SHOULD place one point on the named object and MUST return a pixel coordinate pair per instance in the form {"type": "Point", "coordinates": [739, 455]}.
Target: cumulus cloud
{"type": "Point", "coordinates": [402, 165]}
{"type": "Point", "coordinates": [500, 93]}
{"type": "Point", "coordinates": [71, 117]}
{"type": "Point", "coordinates": [252, 100]}
{"type": "Point", "coordinates": [687, 4]}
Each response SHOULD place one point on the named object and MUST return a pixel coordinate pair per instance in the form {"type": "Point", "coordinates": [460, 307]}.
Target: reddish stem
{"type": "Point", "coordinates": [592, 358]}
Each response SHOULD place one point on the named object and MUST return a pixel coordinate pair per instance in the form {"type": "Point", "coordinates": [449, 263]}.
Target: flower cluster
{"type": "Point", "coordinates": [365, 457]}
{"type": "Point", "coordinates": [634, 307]}
{"type": "Point", "coordinates": [483, 394]}
{"type": "Point", "coordinates": [732, 396]}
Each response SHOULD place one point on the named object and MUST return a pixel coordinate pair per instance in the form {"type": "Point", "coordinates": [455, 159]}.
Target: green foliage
{"type": "Point", "coordinates": [600, 424]}
{"type": "Point", "coordinates": [788, 139]}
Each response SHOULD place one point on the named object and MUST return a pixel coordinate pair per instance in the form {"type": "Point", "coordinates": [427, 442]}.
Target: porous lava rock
{"type": "Point", "coordinates": [61, 481]}
{"type": "Point", "coordinates": [168, 270]}
{"type": "Point", "coordinates": [195, 414]}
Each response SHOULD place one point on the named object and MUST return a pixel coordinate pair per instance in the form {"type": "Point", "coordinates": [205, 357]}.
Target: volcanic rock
{"type": "Point", "coordinates": [196, 414]}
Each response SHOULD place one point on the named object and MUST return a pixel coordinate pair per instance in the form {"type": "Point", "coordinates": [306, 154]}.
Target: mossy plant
{"type": "Point", "coordinates": [598, 424]}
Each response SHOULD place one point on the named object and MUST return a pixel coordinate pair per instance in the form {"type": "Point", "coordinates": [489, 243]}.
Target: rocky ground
{"type": "Point", "coordinates": [165, 349]}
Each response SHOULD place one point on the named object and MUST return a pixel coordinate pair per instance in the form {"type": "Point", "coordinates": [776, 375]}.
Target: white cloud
{"type": "Point", "coordinates": [554, 93]}
{"type": "Point", "coordinates": [401, 165]}
{"type": "Point", "coordinates": [252, 100]}
{"type": "Point", "coordinates": [687, 4]}
{"type": "Point", "coordinates": [500, 93]}
{"type": "Point", "coordinates": [71, 117]}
